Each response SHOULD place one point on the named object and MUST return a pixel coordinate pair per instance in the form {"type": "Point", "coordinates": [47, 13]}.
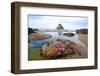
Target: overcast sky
{"type": "Point", "coordinates": [51, 22]}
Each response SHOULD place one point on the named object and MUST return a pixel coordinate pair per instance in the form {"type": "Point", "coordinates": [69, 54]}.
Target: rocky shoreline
{"type": "Point", "coordinates": [38, 36]}
{"type": "Point", "coordinates": [83, 38]}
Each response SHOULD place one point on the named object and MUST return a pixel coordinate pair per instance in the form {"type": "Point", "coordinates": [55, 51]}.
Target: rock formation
{"type": "Point", "coordinates": [60, 29]}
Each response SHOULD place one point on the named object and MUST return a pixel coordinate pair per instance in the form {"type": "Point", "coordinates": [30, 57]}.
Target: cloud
{"type": "Point", "coordinates": [51, 22]}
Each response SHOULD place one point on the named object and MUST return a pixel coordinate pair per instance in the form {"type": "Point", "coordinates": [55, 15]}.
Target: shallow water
{"type": "Point", "coordinates": [54, 36]}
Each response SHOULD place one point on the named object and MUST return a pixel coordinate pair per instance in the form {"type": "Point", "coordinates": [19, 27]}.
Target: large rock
{"type": "Point", "coordinates": [37, 36]}
{"type": "Point", "coordinates": [59, 48]}
{"type": "Point", "coordinates": [69, 34]}
{"type": "Point", "coordinates": [30, 30]}
{"type": "Point", "coordinates": [60, 29]}
{"type": "Point", "coordinates": [82, 31]}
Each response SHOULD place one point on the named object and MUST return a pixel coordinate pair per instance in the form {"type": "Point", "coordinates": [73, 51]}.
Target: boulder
{"type": "Point", "coordinates": [37, 36]}
{"type": "Point", "coordinates": [82, 31]}
{"type": "Point", "coordinates": [59, 48]}
{"type": "Point", "coordinates": [69, 34]}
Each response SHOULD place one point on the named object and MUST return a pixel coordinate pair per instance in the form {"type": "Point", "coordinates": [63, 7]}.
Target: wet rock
{"type": "Point", "coordinates": [37, 36]}
{"type": "Point", "coordinates": [59, 48]}
{"type": "Point", "coordinates": [69, 34]}
{"type": "Point", "coordinates": [82, 31]}
{"type": "Point", "coordinates": [60, 29]}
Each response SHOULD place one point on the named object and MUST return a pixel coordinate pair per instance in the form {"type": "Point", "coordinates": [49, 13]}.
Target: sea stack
{"type": "Point", "coordinates": [60, 29]}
